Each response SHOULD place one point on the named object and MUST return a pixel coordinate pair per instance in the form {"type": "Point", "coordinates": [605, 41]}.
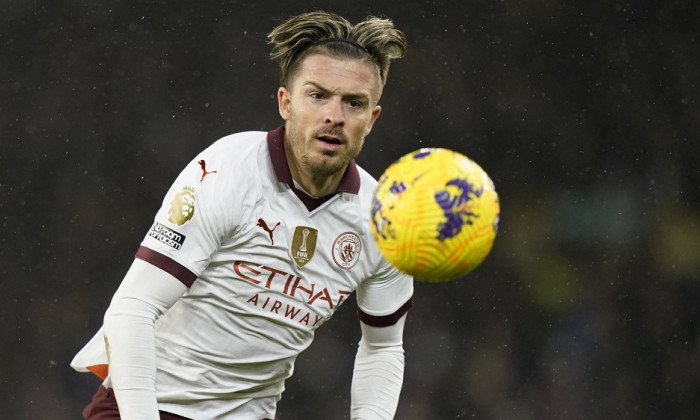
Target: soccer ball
{"type": "Point", "coordinates": [435, 214]}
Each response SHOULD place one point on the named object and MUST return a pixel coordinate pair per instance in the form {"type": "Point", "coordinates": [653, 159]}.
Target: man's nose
{"type": "Point", "coordinates": [334, 112]}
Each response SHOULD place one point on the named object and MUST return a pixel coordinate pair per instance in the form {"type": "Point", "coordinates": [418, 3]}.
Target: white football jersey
{"type": "Point", "coordinates": [266, 265]}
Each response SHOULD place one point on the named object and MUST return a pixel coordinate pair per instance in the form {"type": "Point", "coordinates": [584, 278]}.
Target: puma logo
{"type": "Point", "coordinates": [269, 231]}
{"type": "Point", "coordinates": [203, 164]}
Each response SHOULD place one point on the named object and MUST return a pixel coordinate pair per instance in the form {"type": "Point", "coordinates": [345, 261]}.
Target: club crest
{"type": "Point", "coordinates": [346, 250]}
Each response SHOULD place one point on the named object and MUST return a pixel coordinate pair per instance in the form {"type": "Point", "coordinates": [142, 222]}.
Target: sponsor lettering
{"type": "Point", "coordinates": [167, 236]}
{"type": "Point", "coordinates": [289, 284]}
{"type": "Point", "coordinates": [285, 309]}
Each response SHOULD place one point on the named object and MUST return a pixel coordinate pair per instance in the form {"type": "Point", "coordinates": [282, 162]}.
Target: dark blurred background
{"type": "Point", "coordinates": [585, 114]}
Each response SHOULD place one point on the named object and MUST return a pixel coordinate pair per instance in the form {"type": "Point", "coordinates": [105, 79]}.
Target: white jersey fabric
{"type": "Point", "coordinates": [266, 265]}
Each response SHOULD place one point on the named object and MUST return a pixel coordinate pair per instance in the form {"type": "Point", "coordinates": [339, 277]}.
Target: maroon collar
{"type": "Point", "coordinates": [350, 183]}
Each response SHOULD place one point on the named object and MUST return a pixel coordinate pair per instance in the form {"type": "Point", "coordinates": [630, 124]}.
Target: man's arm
{"type": "Point", "coordinates": [145, 293]}
{"type": "Point", "coordinates": [378, 375]}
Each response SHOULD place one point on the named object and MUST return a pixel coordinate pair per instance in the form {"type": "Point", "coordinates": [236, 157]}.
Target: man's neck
{"type": "Point", "coordinates": [315, 187]}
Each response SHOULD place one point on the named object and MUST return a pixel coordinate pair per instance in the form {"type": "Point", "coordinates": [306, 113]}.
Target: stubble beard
{"type": "Point", "coordinates": [326, 164]}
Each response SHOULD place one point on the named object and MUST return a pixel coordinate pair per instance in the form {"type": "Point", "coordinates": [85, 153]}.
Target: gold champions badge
{"type": "Point", "coordinates": [303, 244]}
{"type": "Point", "coordinates": [182, 207]}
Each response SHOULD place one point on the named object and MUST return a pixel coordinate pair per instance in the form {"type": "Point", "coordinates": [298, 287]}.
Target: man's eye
{"type": "Point", "coordinates": [317, 95]}
{"type": "Point", "coordinates": [355, 104]}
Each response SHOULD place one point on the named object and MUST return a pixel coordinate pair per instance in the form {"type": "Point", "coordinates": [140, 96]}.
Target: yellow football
{"type": "Point", "coordinates": [435, 214]}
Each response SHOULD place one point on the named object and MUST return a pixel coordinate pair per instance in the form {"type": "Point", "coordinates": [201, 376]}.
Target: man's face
{"type": "Point", "coordinates": [329, 107]}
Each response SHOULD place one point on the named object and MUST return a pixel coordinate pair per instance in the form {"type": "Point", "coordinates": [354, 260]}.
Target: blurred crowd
{"type": "Point", "coordinates": [585, 115]}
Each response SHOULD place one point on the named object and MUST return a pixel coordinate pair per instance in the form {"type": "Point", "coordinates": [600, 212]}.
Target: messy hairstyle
{"type": "Point", "coordinates": [374, 40]}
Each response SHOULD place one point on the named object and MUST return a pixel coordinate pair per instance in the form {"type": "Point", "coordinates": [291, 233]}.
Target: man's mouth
{"type": "Point", "coordinates": [329, 139]}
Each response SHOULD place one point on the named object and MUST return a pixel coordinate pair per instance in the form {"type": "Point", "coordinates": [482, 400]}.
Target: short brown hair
{"type": "Point", "coordinates": [374, 39]}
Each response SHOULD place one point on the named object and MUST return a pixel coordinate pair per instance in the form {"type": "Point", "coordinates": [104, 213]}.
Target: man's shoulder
{"type": "Point", "coordinates": [368, 183]}
{"type": "Point", "coordinates": [231, 163]}
{"type": "Point", "coordinates": [238, 142]}
{"type": "Point", "coordinates": [239, 151]}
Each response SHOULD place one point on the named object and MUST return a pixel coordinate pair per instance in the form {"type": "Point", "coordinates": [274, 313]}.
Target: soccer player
{"type": "Point", "coordinates": [259, 240]}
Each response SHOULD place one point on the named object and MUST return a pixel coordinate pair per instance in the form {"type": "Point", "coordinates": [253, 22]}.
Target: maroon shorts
{"type": "Point", "coordinates": [104, 407]}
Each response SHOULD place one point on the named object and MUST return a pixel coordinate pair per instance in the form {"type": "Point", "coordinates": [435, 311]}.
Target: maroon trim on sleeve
{"type": "Point", "coordinates": [166, 264]}
{"type": "Point", "coordinates": [385, 320]}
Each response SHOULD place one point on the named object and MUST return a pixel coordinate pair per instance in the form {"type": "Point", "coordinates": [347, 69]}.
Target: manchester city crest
{"type": "Point", "coordinates": [346, 250]}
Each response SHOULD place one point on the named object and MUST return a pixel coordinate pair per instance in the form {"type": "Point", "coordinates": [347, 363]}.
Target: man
{"type": "Point", "coordinates": [259, 240]}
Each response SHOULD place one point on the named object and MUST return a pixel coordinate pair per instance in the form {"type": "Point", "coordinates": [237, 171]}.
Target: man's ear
{"type": "Point", "coordinates": [375, 114]}
{"type": "Point", "coordinates": [283, 100]}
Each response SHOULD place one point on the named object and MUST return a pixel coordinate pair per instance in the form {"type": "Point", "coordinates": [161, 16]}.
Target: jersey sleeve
{"type": "Point", "coordinates": [384, 298]}
{"type": "Point", "coordinates": [199, 210]}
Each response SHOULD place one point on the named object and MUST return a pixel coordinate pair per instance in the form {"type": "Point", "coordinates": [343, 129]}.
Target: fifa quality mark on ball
{"type": "Point", "coordinates": [456, 208]}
